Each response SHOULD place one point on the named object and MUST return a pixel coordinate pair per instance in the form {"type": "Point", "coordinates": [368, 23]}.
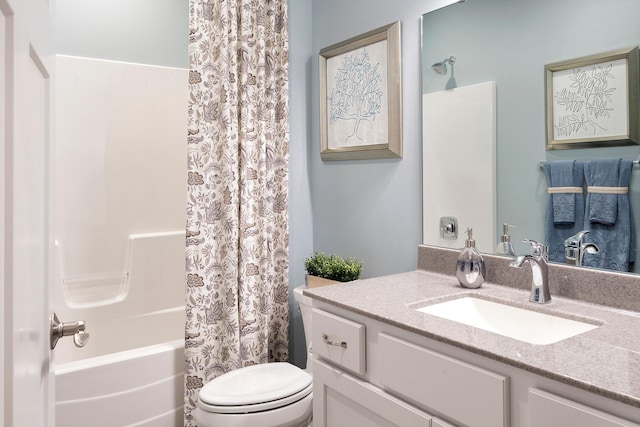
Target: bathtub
{"type": "Point", "coordinates": [141, 387]}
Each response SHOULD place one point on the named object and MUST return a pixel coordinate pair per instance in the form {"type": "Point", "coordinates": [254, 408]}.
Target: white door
{"type": "Point", "coordinates": [26, 227]}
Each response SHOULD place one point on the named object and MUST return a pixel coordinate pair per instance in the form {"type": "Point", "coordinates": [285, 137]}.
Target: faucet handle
{"type": "Point", "coordinates": [537, 249]}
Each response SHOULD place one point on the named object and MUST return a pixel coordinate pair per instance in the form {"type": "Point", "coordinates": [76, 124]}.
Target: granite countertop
{"type": "Point", "coordinates": [605, 360]}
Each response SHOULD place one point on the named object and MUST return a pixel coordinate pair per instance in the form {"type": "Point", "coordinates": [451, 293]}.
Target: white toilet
{"type": "Point", "coordinates": [266, 395]}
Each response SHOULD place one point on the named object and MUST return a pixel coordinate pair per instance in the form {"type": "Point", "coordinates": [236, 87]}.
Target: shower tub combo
{"type": "Point", "coordinates": [120, 241]}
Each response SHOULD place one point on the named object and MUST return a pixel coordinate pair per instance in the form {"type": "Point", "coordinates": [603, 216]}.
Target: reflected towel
{"type": "Point", "coordinates": [603, 207]}
{"type": "Point", "coordinates": [609, 215]}
{"type": "Point", "coordinates": [564, 215]}
{"type": "Point", "coordinates": [561, 174]}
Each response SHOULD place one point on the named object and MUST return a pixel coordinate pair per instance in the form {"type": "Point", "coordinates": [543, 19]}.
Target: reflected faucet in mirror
{"type": "Point", "coordinates": [575, 247]}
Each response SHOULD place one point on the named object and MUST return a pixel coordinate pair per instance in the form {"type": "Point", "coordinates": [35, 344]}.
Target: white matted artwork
{"type": "Point", "coordinates": [592, 101]}
{"type": "Point", "coordinates": [357, 97]}
{"type": "Point", "coordinates": [360, 96]}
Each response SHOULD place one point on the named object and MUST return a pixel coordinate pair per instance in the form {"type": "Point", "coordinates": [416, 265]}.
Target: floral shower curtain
{"type": "Point", "coordinates": [237, 227]}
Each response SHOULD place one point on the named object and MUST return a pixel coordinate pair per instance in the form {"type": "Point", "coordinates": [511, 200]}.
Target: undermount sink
{"type": "Point", "coordinates": [525, 325]}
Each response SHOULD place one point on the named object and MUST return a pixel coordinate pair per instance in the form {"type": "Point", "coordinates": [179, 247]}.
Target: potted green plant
{"type": "Point", "coordinates": [325, 269]}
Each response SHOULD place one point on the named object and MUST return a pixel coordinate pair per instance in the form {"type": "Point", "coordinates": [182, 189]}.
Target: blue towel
{"type": "Point", "coordinates": [564, 215]}
{"type": "Point", "coordinates": [603, 208]}
{"type": "Point", "coordinates": [564, 204]}
{"type": "Point", "coordinates": [609, 218]}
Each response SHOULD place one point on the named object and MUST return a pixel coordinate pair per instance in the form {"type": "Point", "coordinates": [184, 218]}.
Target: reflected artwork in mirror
{"type": "Point", "coordinates": [508, 44]}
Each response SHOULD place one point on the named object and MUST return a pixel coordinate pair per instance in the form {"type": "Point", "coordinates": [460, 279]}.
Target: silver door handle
{"type": "Point", "coordinates": [60, 329]}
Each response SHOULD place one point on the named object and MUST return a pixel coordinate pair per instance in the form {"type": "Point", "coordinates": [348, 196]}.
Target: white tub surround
{"type": "Point", "coordinates": [126, 122]}
{"type": "Point", "coordinates": [120, 209]}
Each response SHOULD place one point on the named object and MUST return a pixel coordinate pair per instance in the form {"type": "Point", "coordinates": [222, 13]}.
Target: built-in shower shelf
{"type": "Point", "coordinates": [95, 290]}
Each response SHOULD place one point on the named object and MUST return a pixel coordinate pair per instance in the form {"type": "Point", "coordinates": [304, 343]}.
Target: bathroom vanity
{"type": "Point", "coordinates": [379, 361]}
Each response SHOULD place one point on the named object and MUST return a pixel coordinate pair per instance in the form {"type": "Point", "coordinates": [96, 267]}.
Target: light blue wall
{"type": "Point", "coordinates": [300, 213]}
{"type": "Point", "coordinates": [151, 32]}
{"type": "Point", "coordinates": [510, 42]}
{"type": "Point", "coordinates": [370, 209]}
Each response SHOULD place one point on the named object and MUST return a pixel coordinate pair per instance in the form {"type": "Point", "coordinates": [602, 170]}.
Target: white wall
{"type": "Point", "coordinates": [142, 31]}
{"type": "Point", "coordinates": [3, 28]}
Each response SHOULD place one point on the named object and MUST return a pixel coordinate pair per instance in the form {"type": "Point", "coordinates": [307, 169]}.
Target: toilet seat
{"type": "Point", "coordinates": [256, 407]}
{"type": "Point", "coordinates": [255, 389]}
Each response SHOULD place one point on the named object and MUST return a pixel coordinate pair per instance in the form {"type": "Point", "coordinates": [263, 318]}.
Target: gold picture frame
{"type": "Point", "coordinates": [592, 101]}
{"type": "Point", "coordinates": [361, 96]}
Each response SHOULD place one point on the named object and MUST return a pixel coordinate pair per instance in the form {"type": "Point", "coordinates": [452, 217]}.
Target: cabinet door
{"type": "Point", "coordinates": [462, 392]}
{"type": "Point", "coordinates": [340, 400]}
{"type": "Point", "coordinates": [546, 409]}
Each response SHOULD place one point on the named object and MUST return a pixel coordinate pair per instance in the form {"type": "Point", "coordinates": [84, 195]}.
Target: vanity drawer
{"type": "Point", "coordinates": [339, 340]}
{"type": "Point", "coordinates": [460, 391]}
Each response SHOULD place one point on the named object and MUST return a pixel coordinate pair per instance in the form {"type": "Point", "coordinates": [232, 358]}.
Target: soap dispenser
{"type": "Point", "coordinates": [505, 247]}
{"type": "Point", "coordinates": [470, 268]}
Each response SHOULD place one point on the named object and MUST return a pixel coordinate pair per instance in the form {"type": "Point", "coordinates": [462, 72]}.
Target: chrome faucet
{"type": "Point", "coordinates": [538, 260]}
{"type": "Point", "coordinates": [575, 248]}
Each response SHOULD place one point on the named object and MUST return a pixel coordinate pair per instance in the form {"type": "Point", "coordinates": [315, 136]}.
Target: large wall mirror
{"type": "Point", "coordinates": [509, 43]}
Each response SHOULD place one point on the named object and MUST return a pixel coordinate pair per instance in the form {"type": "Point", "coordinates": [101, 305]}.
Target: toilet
{"type": "Point", "coordinates": [266, 395]}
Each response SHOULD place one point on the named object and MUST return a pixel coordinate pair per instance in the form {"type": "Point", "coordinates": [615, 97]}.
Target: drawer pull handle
{"type": "Point", "coordinates": [326, 339]}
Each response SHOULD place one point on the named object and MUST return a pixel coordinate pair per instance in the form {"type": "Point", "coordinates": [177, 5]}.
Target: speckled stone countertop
{"type": "Point", "coordinates": [605, 360]}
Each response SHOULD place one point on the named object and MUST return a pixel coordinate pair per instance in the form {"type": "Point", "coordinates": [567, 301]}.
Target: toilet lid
{"type": "Point", "coordinates": [294, 399]}
{"type": "Point", "coordinates": [255, 384]}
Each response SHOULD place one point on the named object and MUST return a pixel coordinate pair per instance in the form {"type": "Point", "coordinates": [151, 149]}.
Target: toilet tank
{"type": "Point", "coordinates": [305, 310]}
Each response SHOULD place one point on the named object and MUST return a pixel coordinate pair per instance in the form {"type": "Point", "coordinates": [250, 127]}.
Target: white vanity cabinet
{"type": "Point", "coordinates": [342, 394]}
{"type": "Point", "coordinates": [387, 376]}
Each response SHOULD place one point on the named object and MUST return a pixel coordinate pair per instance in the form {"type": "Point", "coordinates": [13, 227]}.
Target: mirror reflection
{"type": "Point", "coordinates": [507, 44]}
